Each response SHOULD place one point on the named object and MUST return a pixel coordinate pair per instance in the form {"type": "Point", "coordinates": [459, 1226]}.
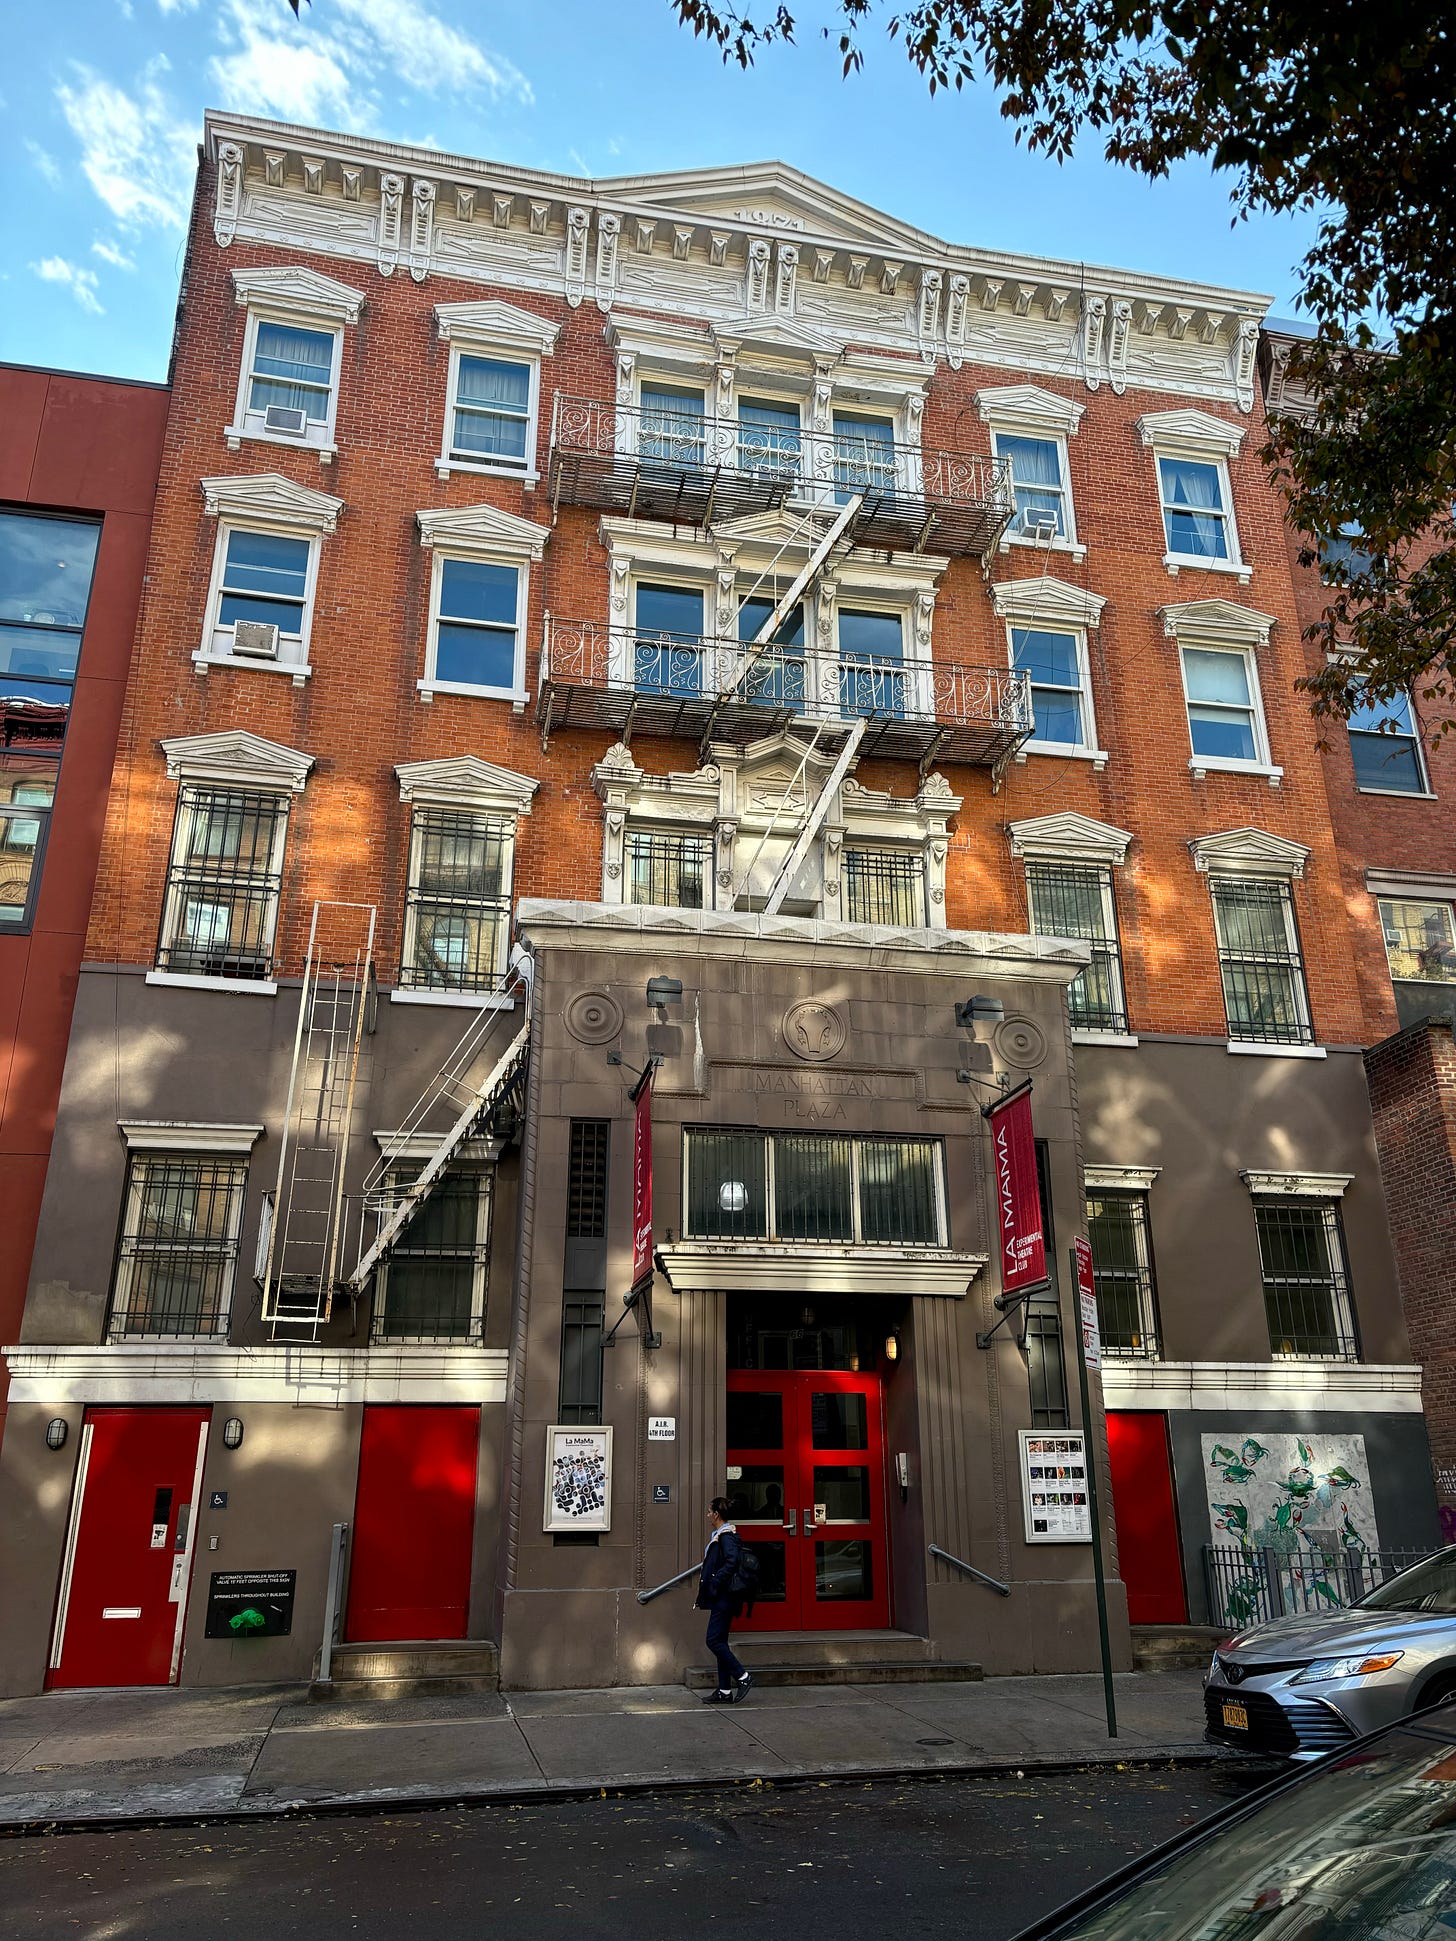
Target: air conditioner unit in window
{"type": "Point", "coordinates": [286, 418]}
{"type": "Point", "coordinates": [257, 639]}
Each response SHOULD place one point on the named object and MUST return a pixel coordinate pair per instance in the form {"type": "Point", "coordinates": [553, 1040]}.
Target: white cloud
{"type": "Point", "coordinates": [136, 154]}
{"type": "Point", "coordinates": [425, 53]}
{"type": "Point", "coordinates": [109, 253]}
{"type": "Point", "coordinates": [293, 71]}
{"type": "Point", "coordinates": [44, 162]}
{"type": "Point", "coordinates": [177, 6]}
{"type": "Point", "coordinates": [80, 282]}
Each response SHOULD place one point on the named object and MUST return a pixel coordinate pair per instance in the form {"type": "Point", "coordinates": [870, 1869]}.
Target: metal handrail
{"type": "Point", "coordinates": [333, 1603]}
{"type": "Point", "coordinates": [646, 1597]}
{"type": "Point", "coordinates": [991, 1583]}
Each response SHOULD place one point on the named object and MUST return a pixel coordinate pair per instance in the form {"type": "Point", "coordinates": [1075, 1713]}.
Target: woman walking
{"type": "Point", "coordinates": [715, 1595]}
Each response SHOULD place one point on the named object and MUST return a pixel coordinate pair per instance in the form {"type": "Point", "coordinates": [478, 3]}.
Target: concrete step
{"type": "Point", "coordinates": [1175, 1647]}
{"type": "Point", "coordinates": [411, 1669]}
{"type": "Point", "coordinates": [811, 1648]}
{"type": "Point", "coordinates": [895, 1671]}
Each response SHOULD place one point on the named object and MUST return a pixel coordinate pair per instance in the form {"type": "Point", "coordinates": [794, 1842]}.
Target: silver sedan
{"type": "Point", "coordinates": [1302, 1686]}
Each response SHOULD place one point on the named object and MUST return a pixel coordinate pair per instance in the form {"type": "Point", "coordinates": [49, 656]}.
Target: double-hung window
{"type": "Point", "coordinates": [871, 663]}
{"type": "Point", "coordinates": [1306, 1287]}
{"type": "Point", "coordinates": [179, 1245]}
{"type": "Point", "coordinates": [864, 455]}
{"type": "Point", "coordinates": [220, 910]}
{"type": "Point", "coordinates": [477, 641]}
{"type": "Point", "coordinates": [1060, 686]}
{"type": "Point", "coordinates": [768, 436]}
{"type": "Point", "coordinates": [670, 870]}
{"type": "Point", "coordinates": [262, 601]}
{"type": "Point", "coordinates": [1122, 1272]}
{"type": "Point", "coordinates": [1342, 554]}
{"type": "Point", "coordinates": [458, 900]}
{"type": "Point", "coordinates": [1386, 747]}
{"type": "Point", "coordinates": [491, 413]}
{"type": "Point", "coordinates": [1260, 962]}
{"type": "Point", "coordinates": [1225, 723]}
{"type": "Point", "coordinates": [291, 376]}
{"type": "Point", "coordinates": [776, 676]}
{"type": "Point", "coordinates": [1076, 900]}
{"type": "Point", "coordinates": [672, 426]}
{"type": "Point", "coordinates": [45, 583]}
{"type": "Point", "coordinates": [1039, 485]}
{"type": "Point", "coordinates": [288, 386]}
{"type": "Point", "coordinates": [1191, 454]}
{"type": "Point", "coordinates": [1420, 948]}
{"type": "Point", "coordinates": [1195, 508]}
{"type": "Point", "coordinates": [884, 886]}
{"type": "Point", "coordinates": [747, 1185]}
{"type": "Point", "coordinates": [433, 1286]}
{"type": "Point", "coordinates": [668, 645]}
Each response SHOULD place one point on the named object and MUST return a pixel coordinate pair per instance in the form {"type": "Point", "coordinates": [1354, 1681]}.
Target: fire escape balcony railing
{"type": "Point", "coordinates": [597, 675]}
{"type": "Point", "coordinates": [693, 470]}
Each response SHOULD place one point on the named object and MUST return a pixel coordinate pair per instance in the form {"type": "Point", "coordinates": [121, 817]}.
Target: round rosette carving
{"type": "Point", "coordinates": [1020, 1042]}
{"type": "Point", "coordinates": [813, 1030]}
{"type": "Point", "coordinates": [593, 1017]}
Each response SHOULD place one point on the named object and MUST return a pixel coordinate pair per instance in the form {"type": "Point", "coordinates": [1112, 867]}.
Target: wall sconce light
{"type": "Point", "coordinates": [892, 1346]}
{"type": "Point", "coordinates": [664, 990]}
{"type": "Point", "coordinates": [232, 1433]}
{"type": "Point", "coordinates": [57, 1429]}
{"type": "Point", "coordinates": [733, 1196]}
{"type": "Point", "coordinates": [979, 1010]}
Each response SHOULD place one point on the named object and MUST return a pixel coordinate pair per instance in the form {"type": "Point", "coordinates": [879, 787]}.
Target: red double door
{"type": "Point", "coordinates": [806, 1482]}
{"type": "Point", "coordinates": [1148, 1551]}
{"type": "Point", "coordinates": [414, 1524]}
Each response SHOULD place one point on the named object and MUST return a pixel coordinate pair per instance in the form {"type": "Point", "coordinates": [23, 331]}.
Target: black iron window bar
{"type": "Point", "coordinates": [1259, 959]}
{"type": "Point", "coordinates": [1122, 1274]}
{"type": "Point", "coordinates": [458, 901]}
{"type": "Point", "coordinates": [672, 872]}
{"type": "Point", "coordinates": [1306, 1288]}
{"type": "Point", "coordinates": [179, 1246]}
{"type": "Point", "coordinates": [433, 1287]}
{"type": "Point", "coordinates": [221, 905]}
{"type": "Point", "coordinates": [881, 886]}
{"type": "Point", "coordinates": [1075, 900]}
{"type": "Point", "coordinates": [815, 1187]}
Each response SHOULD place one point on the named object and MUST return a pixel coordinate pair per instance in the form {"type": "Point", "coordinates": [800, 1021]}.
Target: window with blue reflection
{"type": "Point", "coordinates": [776, 675]}
{"type": "Point", "coordinates": [668, 654]}
{"type": "Point", "coordinates": [292, 368]}
{"type": "Point", "coordinates": [1054, 662]}
{"type": "Point", "coordinates": [1220, 705]}
{"type": "Point", "coordinates": [864, 455]}
{"type": "Point", "coordinates": [477, 631]}
{"type": "Point", "coordinates": [1194, 514]}
{"type": "Point", "coordinates": [871, 663]}
{"type": "Point", "coordinates": [1383, 742]}
{"type": "Point", "coordinates": [492, 411]}
{"type": "Point", "coordinates": [768, 436]}
{"type": "Point", "coordinates": [1036, 479]}
{"type": "Point", "coordinates": [264, 577]}
{"type": "Point", "coordinates": [671, 429]}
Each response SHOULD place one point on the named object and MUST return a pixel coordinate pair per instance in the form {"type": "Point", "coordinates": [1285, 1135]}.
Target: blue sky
{"type": "Point", "coordinates": [101, 111]}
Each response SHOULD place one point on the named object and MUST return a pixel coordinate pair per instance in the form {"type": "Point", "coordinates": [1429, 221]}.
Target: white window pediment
{"type": "Point", "coordinates": [1043, 601]}
{"type": "Point", "coordinates": [1248, 852]}
{"type": "Point", "coordinates": [466, 782]}
{"type": "Point", "coordinates": [1069, 834]}
{"type": "Point", "coordinates": [269, 498]}
{"type": "Point", "coordinates": [237, 756]}
{"type": "Point", "coordinates": [1216, 623]}
{"type": "Point", "coordinates": [483, 529]}
{"type": "Point", "coordinates": [1307, 1186]}
{"type": "Point", "coordinates": [1119, 1179]}
{"type": "Point", "coordinates": [298, 293]}
{"type": "Point", "coordinates": [655, 342]}
{"type": "Point", "coordinates": [1197, 432]}
{"type": "Point", "coordinates": [182, 1135]}
{"type": "Point", "coordinates": [799, 341]}
{"type": "Point", "coordinates": [1026, 407]}
{"type": "Point", "coordinates": [491, 322]}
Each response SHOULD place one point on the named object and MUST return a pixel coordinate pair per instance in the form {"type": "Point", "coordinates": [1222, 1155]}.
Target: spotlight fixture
{"type": "Point", "coordinates": [232, 1432]}
{"type": "Point", "coordinates": [664, 990]}
{"type": "Point", "coordinates": [979, 1010]}
{"type": "Point", "coordinates": [57, 1429]}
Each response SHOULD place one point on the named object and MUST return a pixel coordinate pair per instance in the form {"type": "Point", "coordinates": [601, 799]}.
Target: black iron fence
{"type": "Point", "coordinates": [1250, 1586]}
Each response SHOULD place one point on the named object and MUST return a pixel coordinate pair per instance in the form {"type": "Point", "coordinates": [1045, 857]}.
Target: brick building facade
{"type": "Point", "coordinates": [479, 491]}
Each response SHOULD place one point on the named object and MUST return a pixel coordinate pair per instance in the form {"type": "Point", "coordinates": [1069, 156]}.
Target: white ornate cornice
{"type": "Point", "coordinates": [482, 529]}
{"type": "Point", "coordinates": [1308, 1186]}
{"type": "Point", "coordinates": [815, 1267]}
{"type": "Point", "coordinates": [236, 755]}
{"type": "Point", "coordinates": [492, 322]}
{"type": "Point", "coordinates": [298, 293]}
{"type": "Point", "coordinates": [1070, 836]}
{"type": "Point", "coordinates": [1193, 431]}
{"type": "Point", "coordinates": [1042, 598]}
{"type": "Point", "coordinates": [1119, 1179]}
{"type": "Point", "coordinates": [1248, 852]}
{"type": "Point", "coordinates": [1216, 623]}
{"type": "Point", "coordinates": [466, 782]}
{"type": "Point", "coordinates": [1026, 407]}
{"type": "Point", "coordinates": [271, 497]}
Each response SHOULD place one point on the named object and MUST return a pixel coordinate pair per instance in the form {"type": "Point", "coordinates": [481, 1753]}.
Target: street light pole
{"type": "Point", "coordinates": [1089, 1340]}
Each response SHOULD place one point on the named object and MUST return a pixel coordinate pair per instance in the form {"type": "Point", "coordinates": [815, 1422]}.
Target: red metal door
{"type": "Point", "coordinates": [414, 1524]}
{"type": "Point", "coordinates": [123, 1594]}
{"type": "Point", "coordinates": [806, 1479]}
{"type": "Point", "coordinates": [1148, 1551]}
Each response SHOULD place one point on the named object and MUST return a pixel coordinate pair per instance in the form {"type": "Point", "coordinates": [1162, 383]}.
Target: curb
{"type": "Point", "coordinates": [544, 1792]}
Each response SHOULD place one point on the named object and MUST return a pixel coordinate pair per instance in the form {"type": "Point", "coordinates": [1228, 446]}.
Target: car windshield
{"type": "Point", "coordinates": [1428, 1586]}
{"type": "Point", "coordinates": [1366, 1849]}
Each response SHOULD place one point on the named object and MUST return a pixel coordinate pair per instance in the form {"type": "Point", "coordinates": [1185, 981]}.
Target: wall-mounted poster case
{"type": "Point", "coordinates": [1054, 1486]}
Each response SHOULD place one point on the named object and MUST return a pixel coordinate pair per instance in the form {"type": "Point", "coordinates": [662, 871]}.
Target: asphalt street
{"type": "Point", "coordinates": [975, 1858]}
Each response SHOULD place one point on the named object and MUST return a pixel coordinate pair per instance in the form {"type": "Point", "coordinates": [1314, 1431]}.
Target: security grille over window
{"type": "Point", "coordinates": [457, 905]}
{"type": "Point", "coordinates": [1258, 954]}
{"type": "Point", "coordinates": [586, 1192]}
{"type": "Point", "coordinates": [433, 1287]}
{"type": "Point", "coordinates": [881, 886]}
{"type": "Point", "coordinates": [179, 1247]}
{"type": "Point", "coordinates": [583, 1304]}
{"type": "Point", "coordinates": [670, 871]}
{"type": "Point", "coordinates": [1306, 1291]}
{"type": "Point", "coordinates": [804, 1186]}
{"type": "Point", "coordinates": [1122, 1272]}
{"type": "Point", "coordinates": [221, 906]}
{"type": "Point", "coordinates": [1075, 900]}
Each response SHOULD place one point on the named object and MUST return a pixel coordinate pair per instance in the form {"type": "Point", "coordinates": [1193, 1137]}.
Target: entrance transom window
{"type": "Point", "coordinates": [746, 1185]}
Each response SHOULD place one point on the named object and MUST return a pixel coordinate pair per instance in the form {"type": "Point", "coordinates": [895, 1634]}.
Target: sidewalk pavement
{"type": "Point", "coordinates": [101, 1757]}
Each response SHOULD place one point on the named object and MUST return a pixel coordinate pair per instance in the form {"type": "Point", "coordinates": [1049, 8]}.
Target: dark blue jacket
{"type": "Point", "coordinates": [720, 1562]}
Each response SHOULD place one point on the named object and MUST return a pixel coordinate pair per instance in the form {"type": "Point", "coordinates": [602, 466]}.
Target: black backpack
{"type": "Point", "coordinates": [744, 1582]}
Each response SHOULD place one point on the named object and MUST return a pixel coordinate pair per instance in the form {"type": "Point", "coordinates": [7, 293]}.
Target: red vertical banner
{"type": "Point", "coordinates": [1087, 1302]}
{"type": "Point", "coordinates": [1018, 1200]}
{"type": "Point", "coordinates": [642, 1185]}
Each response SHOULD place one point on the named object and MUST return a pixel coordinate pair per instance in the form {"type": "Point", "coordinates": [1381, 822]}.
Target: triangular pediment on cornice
{"type": "Point", "coordinates": [1069, 834]}
{"type": "Point", "coordinates": [482, 529]}
{"type": "Point", "coordinates": [773, 758]}
{"type": "Point", "coordinates": [749, 334]}
{"type": "Point", "coordinates": [1028, 407]}
{"type": "Point", "coordinates": [236, 755]}
{"type": "Point", "coordinates": [298, 292]}
{"type": "Point", "coordinates": [270, 496]}
{"type": "Point", "coordinates": [774, 199]}
{"type": "Point", "coordinates": [1042, 598]}
{"type": "Point", "coordinates": [1190, 430]}
{"type": "Point", "coordinates": [492, 322]}
{"type": "Point", "coordinates": [1219, 622]}
{"type": "Point", "coordinates": [467, 782]}
{"type": "Point", "coordinates": [1248, 852]}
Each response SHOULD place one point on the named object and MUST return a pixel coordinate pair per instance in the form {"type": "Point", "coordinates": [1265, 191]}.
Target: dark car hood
{"type": "Point", "coordinates": [1325, 1634]}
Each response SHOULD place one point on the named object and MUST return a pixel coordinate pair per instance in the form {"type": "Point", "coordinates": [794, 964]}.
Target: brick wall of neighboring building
{"type": "Point", "coordinates": [1413, 1093]}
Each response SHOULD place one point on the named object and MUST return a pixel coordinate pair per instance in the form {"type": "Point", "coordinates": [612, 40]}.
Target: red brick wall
{"type": "Point", "coordinates": [360, 714]}
{"type": "Point", "coordinates": [1413, 1093]}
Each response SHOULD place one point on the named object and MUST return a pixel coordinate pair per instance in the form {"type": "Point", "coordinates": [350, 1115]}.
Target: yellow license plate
{"type": "Point", "coordinates": [1237, 1716]}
